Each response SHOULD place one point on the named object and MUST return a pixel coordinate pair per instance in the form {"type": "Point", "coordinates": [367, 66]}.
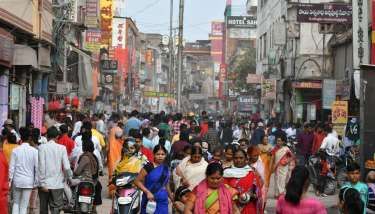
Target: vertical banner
{"type": "Point", "coordinates": [118, 32]}
{"type": "Point", "coordinates": [360, 33]}
{"type": "Point", "coordinates": [373, 33]}
{"type": "Point", "coordinates": [92, 42]}
{"type": "Point", "coordinates": [340, 116]}
{"type": "Point", "coordinates": [106, 21]}
{"type": "Point", "coordinates": [222, 78]}
{"type": "Point", "coordinates": [92, 19]}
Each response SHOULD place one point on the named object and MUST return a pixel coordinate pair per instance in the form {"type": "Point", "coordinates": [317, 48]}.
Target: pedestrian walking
{"type": "Point", "coordinates": [53, 165]}
{"type": "Point", "coordinates": [191, 169]}
{"type": "Point", "coordinates": [23, 170]}
{"type": "Point", "coordinates": [258, 135]}
{"type": "Point", "coordinates": [282, 164]}
{"type": "Point", "coordinates": [350, 201]}
{"type": "Point", "coordinates": [211, 195]}
{"type": "Point", "coordinates": [9, 144]}
{"type": "Point", "coordinates": [4, 184]}
{"type": "Point", "coordinates": [305, 142]}
{"type": "Point", "coordinates": [353, 174]}
{"type": "Point", "coordinates": [244, 178]}
{"type": "Point", "coordinates": [294, 201]}
{"type": "Point", "coordinates": [153, 180]}
{"type": "Point", "coordinates": [370, 180]}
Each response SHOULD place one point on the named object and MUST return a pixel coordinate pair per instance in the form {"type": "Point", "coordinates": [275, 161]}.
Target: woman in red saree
{"type": "Point", "coordinates": [247, 182]}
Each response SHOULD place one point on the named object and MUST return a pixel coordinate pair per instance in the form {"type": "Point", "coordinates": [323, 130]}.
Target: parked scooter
{"type": "Point", "coordinates": [127, 197]}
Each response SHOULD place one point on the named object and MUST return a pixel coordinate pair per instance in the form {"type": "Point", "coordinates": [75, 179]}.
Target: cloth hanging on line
{"type": "Point", "coordinates": [37, 111]}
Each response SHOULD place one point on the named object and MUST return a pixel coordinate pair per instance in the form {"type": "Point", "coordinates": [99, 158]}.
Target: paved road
{"type": "Point", "coordinates": [330, 201]}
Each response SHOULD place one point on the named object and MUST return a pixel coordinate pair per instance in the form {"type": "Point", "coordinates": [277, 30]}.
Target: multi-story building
{"type": "Point", "coordinates": [25, 63]}
{"type": "Point", "coordinates": [294, 54]}
{"type": "Point", "coordinates": [153, 72]}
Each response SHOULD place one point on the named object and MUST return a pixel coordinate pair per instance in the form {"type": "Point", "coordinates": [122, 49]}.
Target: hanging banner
{"type": "Point", "coordinates": [92, 18]}
{"type": "Point", "coordinates": [106, 21]}
{"type": "Point", "coordinates": [360, 35]}
{"type": "Point", "coordinates": [93, 38]}
{"type": "Point", "coordinates": [340, 116]}
{"type": "Point", "coordinates": [122, 56]}
{"type": "Point", "coordinates": [118, 32]}
{"type": "Point", "coordinates": [329, 93]}
{"type": "Point", "coordinates": [340, 112]}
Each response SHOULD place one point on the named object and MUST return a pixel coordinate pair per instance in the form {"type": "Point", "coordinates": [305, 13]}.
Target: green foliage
{"type": "Point", "coordinates": [243, 65]}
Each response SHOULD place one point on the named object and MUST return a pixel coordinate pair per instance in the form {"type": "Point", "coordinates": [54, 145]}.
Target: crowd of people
{"type": "Point", "coordinates": [185, 164]}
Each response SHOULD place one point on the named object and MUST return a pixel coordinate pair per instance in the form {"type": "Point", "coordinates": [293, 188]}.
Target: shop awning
{"type": "Point", "coordinates": [25, 55]}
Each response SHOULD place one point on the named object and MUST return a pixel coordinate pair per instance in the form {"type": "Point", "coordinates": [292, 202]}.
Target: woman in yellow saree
{"type": "Point", "coordinates": [266, 157]}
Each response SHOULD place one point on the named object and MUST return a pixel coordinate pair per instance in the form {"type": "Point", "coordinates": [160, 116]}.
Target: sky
{"type": "Point", "coordinates": [152, 16]}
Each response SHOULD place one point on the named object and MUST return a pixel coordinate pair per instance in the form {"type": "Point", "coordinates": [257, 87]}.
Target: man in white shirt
{"type": "Point", "coordinates": [23, 172]}
{"type": "Point", "coordinates": [291, 131]}
{"type": "Point", "coordinates": [77, 151]}
{"type": "Point", "coordinates": [331, 144]}
{"type": "Point", "coordinates": [53, 168]}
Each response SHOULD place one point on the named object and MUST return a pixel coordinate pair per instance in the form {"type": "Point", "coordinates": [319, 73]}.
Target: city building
{"type": "Point", "coordinates": [25, 63]}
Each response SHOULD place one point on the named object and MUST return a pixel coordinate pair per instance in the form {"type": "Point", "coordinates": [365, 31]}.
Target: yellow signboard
{"type": "Point", "coordinates": [340, 112]}
{"type": "Point", "coordinates": [340, 116]}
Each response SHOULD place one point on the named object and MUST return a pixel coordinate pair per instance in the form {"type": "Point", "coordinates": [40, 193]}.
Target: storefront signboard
{"type": "Point", "coordinates": [324, 13]}
{"type": "Point", "coordinates": [307, 85]}
{"type": "Point", "coordinates": [269, 89]}
{"type": "Point", "coordinates": [246, 103]}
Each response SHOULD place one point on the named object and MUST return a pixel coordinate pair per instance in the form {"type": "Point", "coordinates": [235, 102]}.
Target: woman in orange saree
{"type": "Point", "coordinates": [114, 151]}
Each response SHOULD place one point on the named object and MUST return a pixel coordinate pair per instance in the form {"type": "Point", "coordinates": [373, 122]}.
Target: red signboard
{"type": "Point", "coordinates": [122, 56]}
{"type": "Point", "coordinates": [222, 78]}
{"type": "Point", "coordinates": [217, 28]}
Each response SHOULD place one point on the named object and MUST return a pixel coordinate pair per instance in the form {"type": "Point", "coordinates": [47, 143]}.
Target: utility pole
{"type": "Point", "coordinates": [171, 52]}
{"type": "Point", "coordinates": [180, 47]}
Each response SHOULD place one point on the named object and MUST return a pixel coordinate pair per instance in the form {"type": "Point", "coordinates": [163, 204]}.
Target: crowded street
{"type": "Point", "coordinates": [187, 107]}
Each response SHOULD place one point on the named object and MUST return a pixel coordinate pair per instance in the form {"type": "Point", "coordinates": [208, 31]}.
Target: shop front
{"type": "Point", "coordinates": [6, 57]}
{"type": "Point", "coordinates": [307, 101]}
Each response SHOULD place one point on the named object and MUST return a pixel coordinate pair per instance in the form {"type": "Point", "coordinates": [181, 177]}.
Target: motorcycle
{"type": "Point", "coordinates": [84, 197]}
{"type": "Point", "coordinates": [313, 166]}
{"type": "Point", "coordinates": [127, 197]}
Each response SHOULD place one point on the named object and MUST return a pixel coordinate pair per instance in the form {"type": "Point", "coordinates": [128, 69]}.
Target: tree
{"type": "Point", "coordinates": [244, 64]}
